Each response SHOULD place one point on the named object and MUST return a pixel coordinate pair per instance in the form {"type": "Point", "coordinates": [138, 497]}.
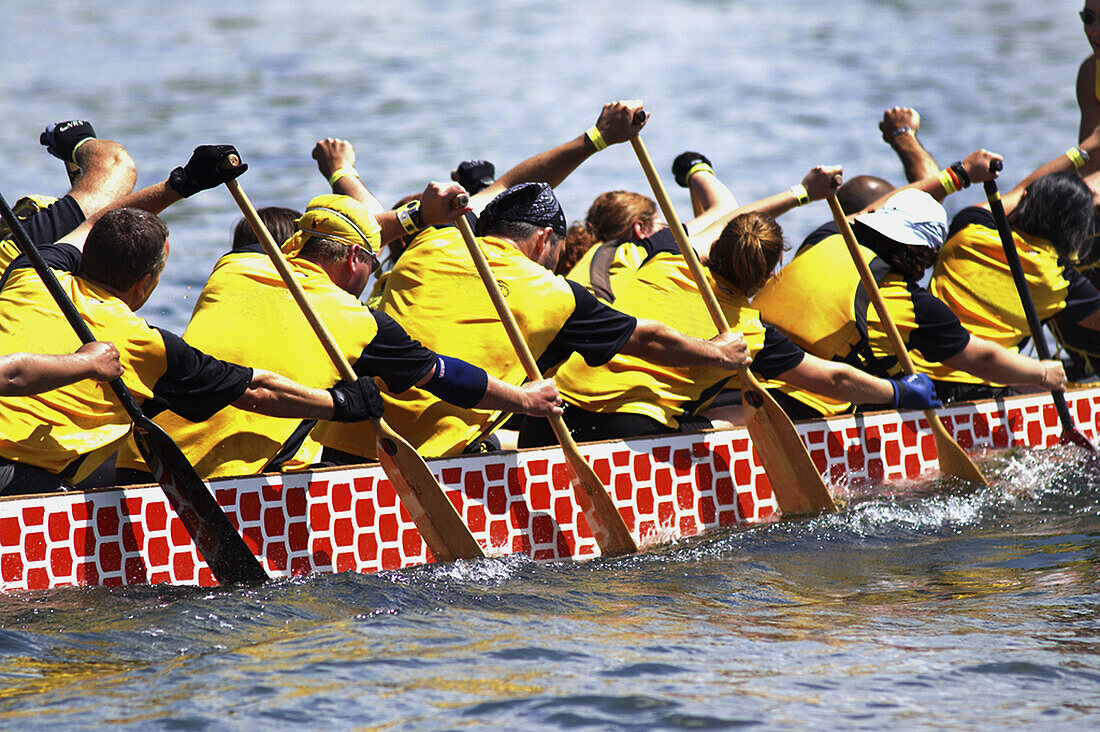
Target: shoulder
{"type": "Point", "coordinates": [972, 216]}
{"type": "Point", "coordinates": [822, 232]}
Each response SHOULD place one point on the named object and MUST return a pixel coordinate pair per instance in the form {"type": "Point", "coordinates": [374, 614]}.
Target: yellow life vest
{"type": "Point", "coordinates": [973, 278]}
{"type": "Point", "coordinates": [435, 293]}
{"type": "Point", "coordinates": [246, 315]}
{"type": "Point", "coordinates": [662, 290]}
{"type": "Point", "coordinates": [53, 429]}
{"type": "Point", "coordinates": [606, 266]}
{"type": "Point", "coordinates": [817, 299]}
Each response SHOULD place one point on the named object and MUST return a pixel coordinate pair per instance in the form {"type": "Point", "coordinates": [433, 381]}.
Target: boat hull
{"type": "Point", "coordinates": [349, 518]}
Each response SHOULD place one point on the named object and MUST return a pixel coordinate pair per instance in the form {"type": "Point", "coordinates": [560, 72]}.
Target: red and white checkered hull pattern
{"type": "Point", "coordinates": [349, 519]}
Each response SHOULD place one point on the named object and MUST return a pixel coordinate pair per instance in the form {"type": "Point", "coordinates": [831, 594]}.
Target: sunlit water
{"type": "Point", "coordinates": [920, 605]}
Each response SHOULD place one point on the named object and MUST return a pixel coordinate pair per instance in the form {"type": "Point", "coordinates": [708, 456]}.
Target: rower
{"type": "Point", "coordinates": [436, 294]}
{"type": "Point", "coordinates": [1051, 213]}
{"type": "Point", "coordinates": [630, 397]}
{"type": "Point", "coordinates": [817, 298]}
{"type": "Point", "coordinates": [606, 248]}
{"type": "Point", "coordinates": [23, 374]}
{"type": "Point", "coordinates": [244, 314]}
{"type": "Point", "coordinates": [59, 437]}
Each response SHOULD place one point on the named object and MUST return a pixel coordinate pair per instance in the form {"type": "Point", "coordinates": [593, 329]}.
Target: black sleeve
{"type": "Point", "coordinates": [661, 241]}
{"type": "Point", "coordinates": [939, 335]}
{"type": "Point", "coordinates": [778, 355]}
{"type": "Point", "coordinates": [195, 386]}
{"type": "Point", "coordinates": [822, 232]}
{"type": "Point", "coordinates": [971, 215]}
{"type": "Point", "coordinates": [594, 330]}
{"type": "Point", "coordinates": [54, 221]}
{"type": "Point", "coordinates": [393, 356]}
{"type": "Point", "coordinates": [1082, 300]}
{"type": "Point", "coordinates": [62, 257]}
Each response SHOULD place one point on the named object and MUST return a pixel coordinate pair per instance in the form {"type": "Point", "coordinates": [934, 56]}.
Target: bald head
{"type": "Point", "coordinates": [860, 192]}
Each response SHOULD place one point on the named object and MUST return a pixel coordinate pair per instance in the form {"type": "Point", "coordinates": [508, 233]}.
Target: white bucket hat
{"type": "Point", "coordinates": [909, 217]}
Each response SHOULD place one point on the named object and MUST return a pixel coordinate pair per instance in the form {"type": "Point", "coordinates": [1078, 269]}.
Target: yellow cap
{"type": "Point", "coordinates": [336, 217]}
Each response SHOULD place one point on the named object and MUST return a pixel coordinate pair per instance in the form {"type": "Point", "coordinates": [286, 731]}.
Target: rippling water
{"type": "Point", "coordinates": [915, 607]}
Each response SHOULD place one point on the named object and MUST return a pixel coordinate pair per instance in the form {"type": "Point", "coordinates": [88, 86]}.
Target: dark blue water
{"type": "Point", "coordinates": [922, 605]}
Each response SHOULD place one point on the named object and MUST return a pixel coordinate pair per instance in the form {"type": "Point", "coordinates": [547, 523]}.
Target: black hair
{"type": "Point", "coordinates": [1059, 208]}
{"type": "Point", "coordinates": [123, 246]}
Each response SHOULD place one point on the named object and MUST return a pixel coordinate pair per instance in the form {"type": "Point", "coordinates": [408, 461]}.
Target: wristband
{"type": "Point", "coordinates": [86, 139]}
{"type": "Point", "coordinates": [799, 192]}
{"type": "Point", "coordinates": [960, 174]}
{"type": "Point", "coordinates": [699, 167]}
{"type": "Point", "coordinates": [1077, 156]}
{"type": "Point", "coordinates": [900, 131]}
{"type": "Point", "coordinates": [340, 173]}
{"type": "Point", "coordinates": [410, 218]}
{"type": "Point", "coordinates": [594, 135]}
{"type": "Point", "coordinates": [947, 180]}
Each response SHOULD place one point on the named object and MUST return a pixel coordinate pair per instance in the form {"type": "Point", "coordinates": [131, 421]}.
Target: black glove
{"type": "Point", "coordinates": [356, 401]}
{"type": "Point", "coordinates": [61, 138]}
{"type": "Point", "coordinates": [208, 167]}
{"type": "Point", "coordinates": [684, 162]}
{"type": "Point", "coordinates": [474, 175]}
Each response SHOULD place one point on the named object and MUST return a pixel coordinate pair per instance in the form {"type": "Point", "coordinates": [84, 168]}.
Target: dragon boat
{"type": "Point", "coordinates": [349, 518]}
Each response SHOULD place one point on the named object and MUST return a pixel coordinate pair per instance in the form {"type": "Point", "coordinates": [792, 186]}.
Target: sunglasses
{"type": "Point", "coordinates": [1088, 17]}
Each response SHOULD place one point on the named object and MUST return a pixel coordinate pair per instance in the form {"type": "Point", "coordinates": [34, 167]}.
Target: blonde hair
{"type": "Point", "coordinates": [611, 217]}
{"type": "Point", "coordinates": [747, 251]}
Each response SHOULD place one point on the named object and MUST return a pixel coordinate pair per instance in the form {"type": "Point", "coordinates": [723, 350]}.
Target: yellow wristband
{"type": "Point", "coordinates": [799, 192]}
{"type": "Point", "coordinates": [947, 181]}
{"type": "Point", "coordinates": [596, 138]}
{"type": "Point", "coordinates": [340, 173]}
{"type": "Point", "coordinates": [77, 147]}
{"type": "Point", "coordinates": [699, 167]}
{"type": "Point", "coordinates": [1077, 156]}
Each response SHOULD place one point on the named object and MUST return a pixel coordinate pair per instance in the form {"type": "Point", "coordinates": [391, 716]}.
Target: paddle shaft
{"type": "Point", "coordinates": [421, 494]}
{"type": "Point", "coordinates": [797, 484]}
{"type": "Point", "coordinates": [228, 556]}
{"type": "Point", "coordinates": [603, 517]}
{"type": "Point", "coordinates": [1012, 256]}
{"type": "Point", "coordinates": [952, 459]}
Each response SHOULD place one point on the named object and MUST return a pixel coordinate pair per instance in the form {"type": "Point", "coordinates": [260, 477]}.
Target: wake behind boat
{"type": "Point", "coordinates": [350, 519]}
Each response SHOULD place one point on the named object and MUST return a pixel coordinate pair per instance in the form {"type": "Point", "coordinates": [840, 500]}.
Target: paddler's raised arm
{"type": "Point", "coordinates": [710, 197]}
{"type": "Point", "coordinates": [207, 168]}
{"type": "Point", "coordinates": [615, 124]}
{"type": "Point", "coordinates": [816, 185]}
{"type": "Point", "coordinates": [336, 161]}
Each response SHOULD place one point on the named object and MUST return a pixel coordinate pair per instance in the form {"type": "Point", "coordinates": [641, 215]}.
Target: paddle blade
{"type": "Point", "coordinates": [603, 517]}
{"type": "Point", "coordinates": [226, 553]}
{"type": "Point", "coordinates": [422, 496]}
{"type": "Point", "coordinates": [797, 484]}
{"type": "Point", "coordinates": [953, 460]}
{"type": "Point", "coordinates": [1074, 436]}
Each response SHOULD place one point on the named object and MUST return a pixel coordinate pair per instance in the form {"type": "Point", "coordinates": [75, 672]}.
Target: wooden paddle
{"type": "Point", "coordinates": [796, 482]}
{"type": "Point", "coordinates": [225, 552]}
{"type": "Point", "coordinates": [953, 461]}
{"type": "Point", "coordinates": [1070, 433]}
{"type": "Point", "coordinates": [608, 527]}
{"type": "Point", "coordinates": [420, 493]}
